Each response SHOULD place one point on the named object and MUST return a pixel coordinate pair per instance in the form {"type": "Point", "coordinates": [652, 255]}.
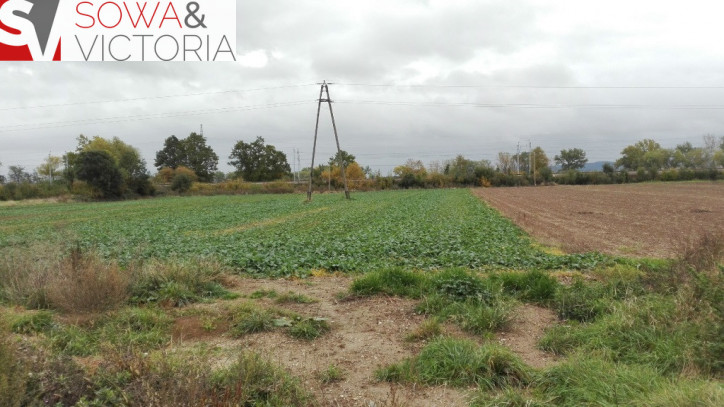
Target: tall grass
{"type": "Point", "coordinates": [178, 283]}
{"type": "Point", "coordinates": [13, 372]}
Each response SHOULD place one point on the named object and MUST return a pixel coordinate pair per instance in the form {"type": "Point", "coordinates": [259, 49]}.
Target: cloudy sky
{"type": "Point", "coordinates": [424, 79]}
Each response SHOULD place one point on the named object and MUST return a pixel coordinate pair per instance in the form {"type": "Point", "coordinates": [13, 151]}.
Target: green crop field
{"type": "Point", "coordinates": [282, 235]}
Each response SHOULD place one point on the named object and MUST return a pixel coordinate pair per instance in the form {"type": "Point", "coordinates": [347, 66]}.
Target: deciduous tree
{"type": "Point", "coordinates": [49, 168]}
{"type": "Point", "coordinates": [191, 152]}
{"type": "Point", "coordinates": [258, 162]}
{"type": "Point", "coordinates": [573, 159]}
{"type": "Point", "coordinates": [99, 170]}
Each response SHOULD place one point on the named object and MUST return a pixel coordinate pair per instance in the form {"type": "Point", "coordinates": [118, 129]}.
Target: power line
{"type": "Point", "coordinates": [223, 92]}
{"type": "Point", "coordinates": [531, 106]}
{"type": "Point", "coordinates": [434, 86]}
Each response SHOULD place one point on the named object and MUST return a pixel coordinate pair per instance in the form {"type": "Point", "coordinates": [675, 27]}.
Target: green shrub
{"type": "Point", "coordinates": [181, 183]}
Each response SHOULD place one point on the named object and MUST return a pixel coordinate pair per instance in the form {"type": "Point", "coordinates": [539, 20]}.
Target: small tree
{"type": "Point", "coordinates": [573, 159]}
{"type": "Point", "coordinates": [18, 175]}
{"type": "Point", "coordinates": [49, 168]}
{"type": "Point", "coordinates": [99, 170]}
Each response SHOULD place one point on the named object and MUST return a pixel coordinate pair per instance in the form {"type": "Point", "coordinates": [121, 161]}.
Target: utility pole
{"type": "Point", "coordinates": [202, 130]}
{"type": "Point", "coordinates": [299, 167]}
{"type": "Point", "coordinates": [531, 170]}
{"type": "Point", "coordinates": [517, 156]}
{"type": "Point", "coordinates": [325, 89]}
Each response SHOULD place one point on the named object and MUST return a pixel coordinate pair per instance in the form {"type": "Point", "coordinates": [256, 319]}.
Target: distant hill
{"type": "Point", "coordinates": [590, 167]}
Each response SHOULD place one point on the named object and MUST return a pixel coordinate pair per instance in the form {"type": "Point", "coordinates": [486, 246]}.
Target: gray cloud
{"type": "Point", "coordinates": [495, 44]}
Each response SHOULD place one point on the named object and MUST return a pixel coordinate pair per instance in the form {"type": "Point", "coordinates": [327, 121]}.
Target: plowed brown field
{"type": "Point", "coordinates": [650, 220]}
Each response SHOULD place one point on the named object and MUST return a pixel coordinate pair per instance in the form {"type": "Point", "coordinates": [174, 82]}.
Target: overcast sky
{"type": "Point", "coordinates": [472, 77]}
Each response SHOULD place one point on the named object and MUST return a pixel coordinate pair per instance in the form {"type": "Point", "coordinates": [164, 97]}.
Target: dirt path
{"type": "Point", "coordinates": [650, 220]}
{"type": "Point", "coordinates": [367, 334]}
{"type": "Point", "coordinates": [526, 330]}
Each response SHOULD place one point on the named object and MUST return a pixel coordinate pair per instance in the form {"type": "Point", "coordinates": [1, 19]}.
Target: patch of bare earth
{"type": "Point", "coordinates": [650, 220]}
{"type": "Point", "coordinates": [366, 334]}
{"type": "Point", "coordinates": [527, 329]}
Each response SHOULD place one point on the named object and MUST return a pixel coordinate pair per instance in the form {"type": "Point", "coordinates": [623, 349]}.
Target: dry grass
{"type": "Point", "coordinates": [85, 284]}
{"type": "Point", "coordinates": [42, 277]}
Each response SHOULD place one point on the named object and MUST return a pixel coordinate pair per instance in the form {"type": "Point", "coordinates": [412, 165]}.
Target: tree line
{"type": "Point", "coordinates": [110, 168]}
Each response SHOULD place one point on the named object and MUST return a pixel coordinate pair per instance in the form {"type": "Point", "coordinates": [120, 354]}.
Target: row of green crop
{"type": "Point", "coordinates": [281, 235]}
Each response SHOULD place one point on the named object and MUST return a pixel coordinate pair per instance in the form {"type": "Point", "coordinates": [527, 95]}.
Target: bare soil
{"type": "Point", "coordinates": [367, 333]}
{"type": "Point", "coordinates": [637, 220]}
{"type": "Point", "coordinates": [524, 333]}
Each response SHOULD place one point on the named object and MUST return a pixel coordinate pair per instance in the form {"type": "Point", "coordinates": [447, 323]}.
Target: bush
{"type": "Point", "coordinates": [181, 183]}
{"type": "Point", "coordinates": [85, 284]}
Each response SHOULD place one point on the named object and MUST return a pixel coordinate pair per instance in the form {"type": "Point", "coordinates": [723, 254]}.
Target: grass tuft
{"type": "Point", "coordinates": [178, 284]}
{"type": "Point", "coordinates": [294, 298]}
{"type": "Point", "coordinates": [429, 329]}
{"type": "Point", "coordinates": [534, 286]}
{"type": "Point", "coordinates": [31, 323]}
{"type": "Point", "coordinates": [309, 329]}
{"type": "Point", "coordinates": [332, 374]}
{"type": "Point", "coordinates": [460, 363]}
{"type": "Point", "coordinates": [394, 282]}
